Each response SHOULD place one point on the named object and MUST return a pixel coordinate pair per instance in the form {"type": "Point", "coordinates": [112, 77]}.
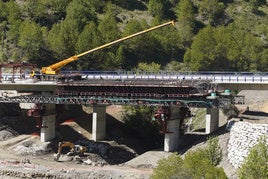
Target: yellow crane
{"type": "Point", "coordinates": [55, 68]}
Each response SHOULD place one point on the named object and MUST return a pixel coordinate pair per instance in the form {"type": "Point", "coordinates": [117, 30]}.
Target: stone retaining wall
{"type": "Point", "coordinates": [243, 136]}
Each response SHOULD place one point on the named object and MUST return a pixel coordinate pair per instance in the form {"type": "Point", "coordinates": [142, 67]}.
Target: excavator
{"type": "Point", "coordinates": [54, 69]}
{"type": "Point", "coordinates": [74, 149]}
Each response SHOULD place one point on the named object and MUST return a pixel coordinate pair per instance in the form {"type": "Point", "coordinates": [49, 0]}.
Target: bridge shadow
{"type": "Point", "coordinates": [120, 133]}
{"type": "Point", "coordinates": [255, 113]}
{"type": "Point", "coordinates": [189, 140]}
{"type": "Point", "coordinates": [120, 144]}
{"type": "Point", "coordinates": [109, 150]}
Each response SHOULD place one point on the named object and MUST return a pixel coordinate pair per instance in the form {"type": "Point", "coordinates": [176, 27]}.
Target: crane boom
{"type": "Point", "coordinates": [54, 68]}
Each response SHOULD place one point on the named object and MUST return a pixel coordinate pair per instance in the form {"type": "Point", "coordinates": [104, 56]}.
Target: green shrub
{"type": "Point", "coordinates": [256, 164]}
{"type": "Point", "coordinates": [169, 167]}
{"type": "Point", "coordinates": [213, 151]}
{"type": "Point", "coordinates": [196, 164]}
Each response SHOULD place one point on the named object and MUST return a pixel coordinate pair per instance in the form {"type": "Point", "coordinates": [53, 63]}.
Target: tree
{"type": "Point", "coordinates": [245, 51]}
{"type": "Point", "coordinates": [3, 12]}
{"type": "Point", "coordinates": [58, 7]}
{"type": "Point", "coordinates": [171, 46]}
{"type": "Point", "coordinates": [88, 39]}
{"type": "Point", "coordinates": [224, 48]}
{"type": "Point", "coordinates": [170, 167]}
{"type": "Point", "coordinates": [211, 10]}
{"type": "Point", "coordinates": [35, 10]}
{"type": "Point", "coordinates": [108, 26]}
{"type": "Point", "coordinates": [198, 165]}
{"type": "Point", "coordinates": [31, 40]}
{"type": "Point", "coordinates": [257, 3]}
{"type": "Point", "coordinates": [13, 12]}
{"type": "Point", "coordinates": [152, 67]}
{"type": "Point", "coordinates": [62, 38]}
{"type": "Point", "coordinates": [186, 21]}
{"type": "Point", "coordinates": [201, 55]}
{"type": "Point", "coordinates": [120, 57]}
{"type": "Point", "coordinates": [81, 12]}
{"type": "Point", "coordinates": [213, 151]}
{"type": "Point", "coordinates": [109, 32]}
{"type": "Point", "coordinates": [255, 165]}
{"type": "Point", "coordinates": [263, 66]}
{"type": "Point", "coordinates": [143, 48]}
{"type": "Point", "coordinates": [156, 8]}
{"type": "Point", "coordinates": [133, 45]}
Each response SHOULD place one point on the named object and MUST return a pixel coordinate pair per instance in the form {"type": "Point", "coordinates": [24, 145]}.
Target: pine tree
{"type": "Point", "coordinates": [186, 21]}
{"type": "Point", "coordinates": [211, 10]}
{"type": "Point", "coordinates": [31, 40]}
{"type": "Point", "coordinates": [156, 8]}
{"type": "Point", "coordinates": [201, 55]}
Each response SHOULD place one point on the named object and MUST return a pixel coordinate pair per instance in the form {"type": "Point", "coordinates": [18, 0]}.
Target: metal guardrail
{"type": "Point", "coordinates": [213, 77]}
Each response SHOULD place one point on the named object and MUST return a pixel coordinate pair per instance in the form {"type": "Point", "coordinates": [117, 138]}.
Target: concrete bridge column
{"type": "Point", "coordinates": [171, 141]}
{"type": "Point", "coordinates": [99, 123]}
{"type": "Point", "coordinates": [212, 120]}
{"type": "Point", "coordinates": [48, 123]}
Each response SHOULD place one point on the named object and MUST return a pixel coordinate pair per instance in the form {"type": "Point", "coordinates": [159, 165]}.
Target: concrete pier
{"type": "Point", "coordinates": [171, 141]}
{"type": "Point", "coordinates": [48, 123]}
{"type": "Point", "coordinates": [48, 128]}
{"type": "Point", "coordinates": [212, 120]}
{"type": "Point", "coordinates": [99, 123]}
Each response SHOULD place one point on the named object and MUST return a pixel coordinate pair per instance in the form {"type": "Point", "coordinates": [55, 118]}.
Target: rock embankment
{"type": "Point", "coordinates": [243, 136]}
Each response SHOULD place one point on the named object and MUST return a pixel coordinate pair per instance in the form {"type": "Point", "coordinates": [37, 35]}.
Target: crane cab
{"type": "Point", "coordinates": [37, 75]}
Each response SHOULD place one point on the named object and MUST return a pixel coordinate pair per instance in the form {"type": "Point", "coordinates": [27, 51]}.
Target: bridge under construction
{"type": "Point", "coordinates": [173, 92]}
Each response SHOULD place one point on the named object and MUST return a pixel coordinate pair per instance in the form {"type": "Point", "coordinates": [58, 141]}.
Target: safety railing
{"type": "Point", "coordinates": [214, 77]}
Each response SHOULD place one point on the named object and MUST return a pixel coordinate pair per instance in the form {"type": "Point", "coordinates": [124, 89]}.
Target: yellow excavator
{"type": "Point", "coordinates": [74, 149]}
{"type": "Point", "coordinates": [55, 68]}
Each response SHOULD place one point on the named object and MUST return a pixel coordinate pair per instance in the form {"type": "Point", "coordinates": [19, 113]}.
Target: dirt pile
{"type": "Point", "coordinates": [7, 132]}
{"type": "Point", "coordinates": [102, 153]}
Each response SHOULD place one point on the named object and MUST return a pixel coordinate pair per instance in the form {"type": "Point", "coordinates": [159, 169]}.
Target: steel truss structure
{"type": "Point", "coordinates": [103, 100]}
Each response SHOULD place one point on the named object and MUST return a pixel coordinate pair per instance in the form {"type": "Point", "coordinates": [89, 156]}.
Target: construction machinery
{"type": "Point", "coordinates": [74, 149]}
{"type": "Point", "coordinates": [54, 69]}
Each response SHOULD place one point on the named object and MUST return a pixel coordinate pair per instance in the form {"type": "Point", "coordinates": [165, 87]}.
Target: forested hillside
{"type": "Point", "coordinates": [222, 35]}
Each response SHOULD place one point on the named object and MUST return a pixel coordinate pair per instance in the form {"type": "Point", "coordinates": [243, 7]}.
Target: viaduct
{"type": "Point", "coordinates": [174, 91]}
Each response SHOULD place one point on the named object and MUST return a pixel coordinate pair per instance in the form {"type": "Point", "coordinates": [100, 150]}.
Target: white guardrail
{"type": "Point", "coordinates": [244, 78]}
{"type": "Point", "coordinates": [247, 79]}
